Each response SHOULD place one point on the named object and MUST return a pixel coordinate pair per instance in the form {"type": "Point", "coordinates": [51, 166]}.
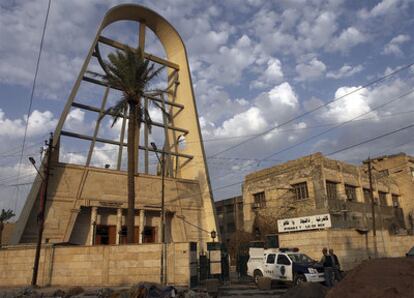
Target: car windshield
{"type": "Point", "coordinates": [300, 258]}
{"type": "Point", "coordinates": [411, 251]}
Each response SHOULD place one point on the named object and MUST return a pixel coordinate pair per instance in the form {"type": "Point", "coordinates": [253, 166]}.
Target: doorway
{"type": "Point", "coordinates": [105, 235]}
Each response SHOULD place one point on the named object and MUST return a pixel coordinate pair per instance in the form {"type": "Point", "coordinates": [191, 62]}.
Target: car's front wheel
{"type": "Point", "coordinates": [256, 275]}
{"type": "Point", "coordinates": [299, 279]}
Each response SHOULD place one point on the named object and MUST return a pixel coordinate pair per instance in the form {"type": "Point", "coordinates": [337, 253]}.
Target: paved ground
{"type": "Point", "coordinates": [249, 289]}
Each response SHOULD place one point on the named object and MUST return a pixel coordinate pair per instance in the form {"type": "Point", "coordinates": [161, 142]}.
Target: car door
{"type": "Point", "coordinates": [269, 266]}
{"type": "Point", "coordinates": [283, 268]}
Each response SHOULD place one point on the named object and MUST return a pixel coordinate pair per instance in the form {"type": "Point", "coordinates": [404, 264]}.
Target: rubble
{"type": "Point", "coordinates": [379, 278]}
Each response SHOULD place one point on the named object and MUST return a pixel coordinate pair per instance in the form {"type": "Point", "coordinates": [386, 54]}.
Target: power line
{"type": "Point", "coordinates": [370, 140]}
{"type": "Point", "coordinates": [341, 124]}
{"type": "Point", "coordinates": [331, 153]}
{"type": "Point", "coordinates": [295, 129]}
{"type": "Point", "coordinates": [332, 128]}
{"type": "Point", "coordinates": [32, 91]}
{"type": "Point", "coordinates": [316, 109]}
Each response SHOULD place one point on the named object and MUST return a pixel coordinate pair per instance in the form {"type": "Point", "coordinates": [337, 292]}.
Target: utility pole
{"type": "Point", "coordinates": [374, 229]}
{"type": "Point", "coordinates": [163, 259]}
{"type": "Point", "coordinates": [42, 207]}
{"type": "Point", "coordinates": [163, 272]}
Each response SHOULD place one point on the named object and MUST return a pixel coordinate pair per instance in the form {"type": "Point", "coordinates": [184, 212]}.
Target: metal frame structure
{"type": "Point", "coordinates": [169, 110]}
{"type": "Point", "coordinates": [179, 118]}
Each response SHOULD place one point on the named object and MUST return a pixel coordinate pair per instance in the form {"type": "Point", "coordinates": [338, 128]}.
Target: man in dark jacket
{"type": "Point", "coordinates": [327, 262]}
{"type": "Point", "coordinates": [336, 265]}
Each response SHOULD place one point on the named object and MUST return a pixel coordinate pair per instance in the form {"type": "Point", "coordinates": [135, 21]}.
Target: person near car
{"type": "Point", "coordinates": [336, 265]}
{"type": "Point", "coordinates": [327, 262]}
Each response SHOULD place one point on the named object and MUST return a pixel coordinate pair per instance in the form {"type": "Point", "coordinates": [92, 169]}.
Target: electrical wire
{"type": "Point", "coordinates": [32, 95]}
{"type": "Point", "coordinates": [341, 124]}
{"type": "Point", "coordinates": [316, 108]}
{"type": "Point", "coordinates": [370, 140]}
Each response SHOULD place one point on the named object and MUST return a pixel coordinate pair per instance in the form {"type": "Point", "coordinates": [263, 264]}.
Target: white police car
{"type": "Point", "coordinates": [287, 265]}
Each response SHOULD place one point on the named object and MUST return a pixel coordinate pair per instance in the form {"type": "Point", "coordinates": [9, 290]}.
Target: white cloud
{"type": "Point", "coordinates": [348, 107]}
{"type": "Point", "coordinates": [77, 122]}
{"type": "Point", "coordinates": [393, 47]}
{"type": "Point", "coordinates": [311, 70]}
{"type": "Point", "coordinates": [348, 38]}
{"type": "Point", "coordinates": [383, 8]}
{"type": "Point", "coordinates": [345, 71]}
{"type": "Point", "coordinates": [207, 42]}
{"type": "Point", "coordinates": [271, 75]}
{"type": "Point", "coordinates": [245, 123]}
{"type": "Point", "coordinates": [230, 62]}
{"type": "Point", "coordinates": [278, 104]}
{"type": "Point", "coordinates": [39, 123]}
{"type": "Point", "coordinates": [21, 28]}
{"type": "Point", "coordinates": [317, 32]}
{"type": "Point", "coordinates": [283, 94]}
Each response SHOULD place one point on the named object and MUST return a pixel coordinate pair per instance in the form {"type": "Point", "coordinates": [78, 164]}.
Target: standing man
{"type": "Point", "coordinates": [336, 265]}
{"type": "Point", "coordinates": [327, 262]}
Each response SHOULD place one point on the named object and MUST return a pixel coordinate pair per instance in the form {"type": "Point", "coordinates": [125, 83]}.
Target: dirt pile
{"type": "Point", "coordinates": [306, 290]}
{"type": "Point", "coordinates": [380, 278]}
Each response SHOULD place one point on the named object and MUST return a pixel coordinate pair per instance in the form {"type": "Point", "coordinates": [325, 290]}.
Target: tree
{"type": "Point", "coordinates": [131, 73]}
{"type": "Point", "coordinates": [5, 215]}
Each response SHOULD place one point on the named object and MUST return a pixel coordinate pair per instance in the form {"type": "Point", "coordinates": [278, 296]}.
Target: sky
{"type": "Point", "coordinates": [273, 80]}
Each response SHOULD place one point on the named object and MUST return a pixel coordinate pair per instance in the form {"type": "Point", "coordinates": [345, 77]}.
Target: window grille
{"type": "Point", "coordinates": [260, 199]}
{"type": "Point", "coordinates": [382, 198]}
{"type": "Point", "coordinates": [350, 191]}
{"type": "Point", "coordinates": [331, 190]}
{"type": "Point", "coordinates": [301, 190]}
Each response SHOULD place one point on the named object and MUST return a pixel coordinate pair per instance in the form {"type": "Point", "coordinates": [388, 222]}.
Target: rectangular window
{"type": "Point", "coordinates": [395, 201]}
{"type": "Point", "coordinates": [367, 195]}
{"type": "Point", "coordinates": [350, 191]}
{"type": "Point", "coordinates": [260, 199]}
{"type": "Point", "coordinates": [283, 260]}
{"type": "Point", "coordinates": [301, 190]}
{"type": "Point", "coordinates": [271, 259]}
{"type": "Point", "coordinates": [382, 198]}
{"type": "Point", "coordinates": [331, 190]}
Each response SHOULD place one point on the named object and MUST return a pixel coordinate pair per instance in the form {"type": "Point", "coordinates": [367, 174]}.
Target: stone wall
{"type": "Point", "coordinates": [401, 168]}
{"type": "Point", "coordinates": [350, 246]}
{"type": "Point", "coordinates": [72, 188]}
{"type": "Point", "coordinates": [276, 183]}
{"type": "Point", "coordinates": [104, 265]}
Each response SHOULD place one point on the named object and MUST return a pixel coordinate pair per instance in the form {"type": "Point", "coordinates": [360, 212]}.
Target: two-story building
{"type": "Point", "coordinates": [400, 167]}
{"type": "Point", "coordinates": [229, 214]}
{"type": "Point", "coordinates": [314, 185]}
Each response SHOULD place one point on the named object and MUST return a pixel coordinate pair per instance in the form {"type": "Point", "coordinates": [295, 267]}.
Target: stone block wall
{"type": "Point", "coordinates": [104, 265]}
{"type": "Point", "coordinates": [350, 246]}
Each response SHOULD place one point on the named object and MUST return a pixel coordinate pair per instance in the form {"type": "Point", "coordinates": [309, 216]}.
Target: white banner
{"type": "Point", "coordinates": [313, 222]}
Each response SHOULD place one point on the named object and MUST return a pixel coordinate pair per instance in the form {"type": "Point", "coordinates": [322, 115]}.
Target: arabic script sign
{"type": "Point", "coordinates": [313, 222]}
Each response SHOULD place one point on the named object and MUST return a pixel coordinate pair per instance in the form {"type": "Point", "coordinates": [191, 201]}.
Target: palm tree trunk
{"type": "Point", "coordinates": [131, 172]}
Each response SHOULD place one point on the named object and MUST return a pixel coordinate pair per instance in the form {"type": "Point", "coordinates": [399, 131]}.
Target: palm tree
{"type": "Point", "coordinates": [131, 73]}
{"type": "Point", "coordinates": [5, 215]}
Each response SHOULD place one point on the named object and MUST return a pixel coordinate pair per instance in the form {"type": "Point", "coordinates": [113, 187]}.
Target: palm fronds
{"type": "Point", "coordinates": [6, 215]}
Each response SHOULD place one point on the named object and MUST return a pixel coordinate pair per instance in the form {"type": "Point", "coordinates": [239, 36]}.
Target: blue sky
{"type": "Point", "coordinates": [255, 64]}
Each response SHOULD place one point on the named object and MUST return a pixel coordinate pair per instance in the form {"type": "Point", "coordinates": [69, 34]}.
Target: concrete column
{"type": "Point", "coordinates": [94, 216]}
{"type": "Point", "coordinates": [141, 225]}
{"type": "Point", "coordinates": [118, 225]}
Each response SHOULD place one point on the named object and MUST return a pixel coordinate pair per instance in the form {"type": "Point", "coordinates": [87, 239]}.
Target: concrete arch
{"type": "Point", "coordinates": [194, 169]}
